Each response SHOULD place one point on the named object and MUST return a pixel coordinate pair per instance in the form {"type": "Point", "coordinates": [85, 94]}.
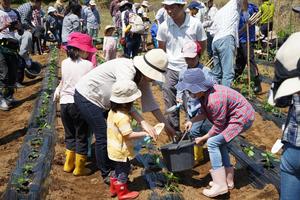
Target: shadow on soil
{"type": "Point", "coordinates": [13, 136]}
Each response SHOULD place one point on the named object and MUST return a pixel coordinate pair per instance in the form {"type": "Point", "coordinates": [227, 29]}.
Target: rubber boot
{"type": "Point", "coordinates": [220, 184]}
{"type": "Point", "coordinates": [198, 154]}
{"type": "Point", "coordinates": [229, 178]}
{"type": "Point", "coordinates": [80, 169]}
{"type": "Point", "coordinates": [123, 192]}
{"type": "Point", "coordinates": [69, 165]}
{"type": "Point", "coordinates": [112, 188]}
{"type": "Point", "coordinates": [257, 85]}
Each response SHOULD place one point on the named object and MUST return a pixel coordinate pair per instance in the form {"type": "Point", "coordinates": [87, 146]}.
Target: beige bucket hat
{"type": "Point", "coordinates": [153, 64]}
{"type": "Point", "coordinates": [124, 91]}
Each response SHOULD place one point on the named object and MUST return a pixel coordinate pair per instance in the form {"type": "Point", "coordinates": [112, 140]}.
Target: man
{"type": "Point", "coordinates": [242, 52]}
{"type": "Point", "coordinates": [113, 9]}
{"type": "Point", "coordinates": [225, 40]}
{"type": "Point", "coordinates": [207, 24]}
{"type": "Point", "coordinates": [267, 10]}
{"type": "Point", "coordinates": [92, 19]}
{"type": "Point", "coordinates": [9, 23]}
{"type": "Point", "coordinates": [172, 34]}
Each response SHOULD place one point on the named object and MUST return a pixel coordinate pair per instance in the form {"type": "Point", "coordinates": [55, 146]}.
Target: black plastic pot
{"type": "Point", "coordinates": [33, 71]}
{"type": "Point", "coordinates": [178, 157]}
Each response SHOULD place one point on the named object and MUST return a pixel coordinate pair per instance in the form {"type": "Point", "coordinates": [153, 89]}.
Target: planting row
{"type": "Point", "coordinates": [29, 179]}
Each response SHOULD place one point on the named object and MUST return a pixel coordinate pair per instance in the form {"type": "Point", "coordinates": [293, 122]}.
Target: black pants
{"type": "Point", "coordinates": [241, 60]}
{"type": "Point", "coordinates": [264, 29]}
{"type": "Point", "coordinates": [8, 73]}
{"type": "Point", "coordinates": [209, 44]}
{"type": "Point", "coordinates": [76, 129]}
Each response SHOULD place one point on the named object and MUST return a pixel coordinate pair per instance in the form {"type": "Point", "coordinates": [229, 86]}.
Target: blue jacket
{"type": "Point", "coordinates": [252, 8]}
{"type": "Point", "coordinates": [153, 30]}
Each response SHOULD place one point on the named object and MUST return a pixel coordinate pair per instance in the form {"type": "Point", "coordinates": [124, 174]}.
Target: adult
{"type": "Point", "coordinates": [161, 15]}
{"type": "Point", "coordinates": [71, 22]}
{"type": "Point", "coordinates": [60, 7]}
{"type": "Point", "coordinates": [92, 19]}
{"type": "Point", "coordinates": [242, 50]}
{"type": "Point", "coordinates": [9, 23]}
{"type": "Point", "coordinates": [194, 8]}
{"type": "Point", "coordinates": [287, 93]}
{"type": "Point", "coordinates": [113, 9]}
{"type": "Point", "coordinates": [267, 10]}
{"type": "Point", "coordinates": [225, 40]}
{"type": "Point", "coordinates": [172, 35]}
{"type": "Point", "coordinates": [207, 24]}
{"type": "Point", "coordinates": [94, 89]}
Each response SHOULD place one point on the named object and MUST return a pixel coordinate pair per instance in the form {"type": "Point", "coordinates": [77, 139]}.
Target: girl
{"type": "Point", "coordinates": [120, 136]}
{"type": "Point", "coordinates": [109, 43]}
{"type": "Point", "coordinates": [229, 112]}
{"type": "Point", "coordinates": [73, 68]}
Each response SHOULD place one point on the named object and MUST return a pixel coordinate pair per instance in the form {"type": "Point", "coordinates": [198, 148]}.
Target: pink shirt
{"type": "Point", "coordinates": [71, 73]}
{"type": "Point", "coordinates": [227, 110]}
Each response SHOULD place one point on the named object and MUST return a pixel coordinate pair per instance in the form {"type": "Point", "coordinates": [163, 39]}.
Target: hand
{"type": "Point", "coordinates": [149, 129]}
{"type": "Point", "coordinates": [170, 131]}
{"type": "Point", "coordinates": [188, 126]}
{"type": "Point", "coordinates": [56, 94]}
{"type": "Point", "coordinates": [200, 140]}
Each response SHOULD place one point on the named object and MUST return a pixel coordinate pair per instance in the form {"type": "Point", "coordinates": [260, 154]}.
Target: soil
{"type": "Point", "coordinates": [65, 186]}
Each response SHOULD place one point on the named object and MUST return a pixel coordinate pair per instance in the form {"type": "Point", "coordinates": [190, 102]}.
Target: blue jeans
{"type": "Point", "coordinates": [199, 128]}
{"type": "Point", "coordinates": [290, 173]}
{"type": "Point", "coordinates": [218, 152]}
{"type": "Point", "coordinates": [224, 60]}
{"type": "Point", "coordinates": [94, 116]}
{"type": "Point", "coordinates": [132, 46]}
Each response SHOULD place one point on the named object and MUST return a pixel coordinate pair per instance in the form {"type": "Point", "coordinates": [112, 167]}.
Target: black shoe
{"type": "Point", "coordinates": [257, 85]}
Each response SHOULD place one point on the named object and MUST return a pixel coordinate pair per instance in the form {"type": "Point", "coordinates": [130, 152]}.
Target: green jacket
{"type": "Point", "coordinates": [267, 10]}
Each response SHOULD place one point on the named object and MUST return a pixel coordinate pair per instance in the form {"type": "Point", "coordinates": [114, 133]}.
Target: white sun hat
{"type": "Point", "coordinates": [51, 9]}
{"type": "Point", "coordinates": [124, 91]}
{"type": "Point", "coordinates": [145, 3]}
{"type": "Point", "coordinates": [171, 2]}
{"type": "Point", "coordinates": [153, 64]}
{"type": "Point", "coordinates": [92, 3]}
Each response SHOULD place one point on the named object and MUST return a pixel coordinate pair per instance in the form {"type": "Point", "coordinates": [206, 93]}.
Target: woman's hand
{"type": "Point", "coordinates": [149, 129]}
{"type": "Point", "coordinates": [188, 126]}
{"type": "Point", "coordinates": [200, 140]}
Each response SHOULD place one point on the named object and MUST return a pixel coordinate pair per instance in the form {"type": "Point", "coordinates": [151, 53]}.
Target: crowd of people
{"type": "Point", "coordinates": [99, 98]}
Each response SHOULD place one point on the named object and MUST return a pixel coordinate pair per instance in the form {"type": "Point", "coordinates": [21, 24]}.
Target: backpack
{"type": "Point", "coordinates": [136, 22]}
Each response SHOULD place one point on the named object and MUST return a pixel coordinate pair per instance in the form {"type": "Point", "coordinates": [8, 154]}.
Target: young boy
{"type": "Point", "coordinates": [229, 112]}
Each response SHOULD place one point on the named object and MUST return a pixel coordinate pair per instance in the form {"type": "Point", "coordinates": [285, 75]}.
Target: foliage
{"type": "Point", "coordinates": [36, 142]}
{"type": "Point", "coordinates": [272, 109]}
{"type": "Point", "coordinates": [33, 154]}
{"type": "Point", "coordinates": [172, 182]}
{"type": "Point", "coordinates": [22, 184]}
{"type": "Point", "coordinates": [249, 151]}
{"type": "Point", "coordinates": [269, 159]}
{"type": "Point", "coordinates": [28, 169]}
{"type": "Point", "coordinates": [242, 83]}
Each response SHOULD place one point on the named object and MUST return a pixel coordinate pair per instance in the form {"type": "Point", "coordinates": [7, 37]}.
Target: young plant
{"type": "Point", "coordinates": [272, 109]}
{"type": "Point", "coordinates": [249, 151]}
{"type": "Point", "coordinates": [28, 169]}
{"type": "Point", "coordinates": [269, 159]}
{"type": "Point", "coordinates": [33, 155]}
{"type": "Point", "coordinates": [36, 142]}
{"type": "Point", "coordinates": [22, 184]}
{"type": "Point", "coordinates": [172, 182]}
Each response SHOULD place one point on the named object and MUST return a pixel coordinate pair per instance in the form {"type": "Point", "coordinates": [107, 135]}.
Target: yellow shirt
{"type": "Point", "coordinates": [118, 125]}
{"type": "Point", "coordinates": [267, 10]}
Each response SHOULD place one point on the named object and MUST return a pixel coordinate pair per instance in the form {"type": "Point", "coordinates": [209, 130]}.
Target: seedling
{"type": "Point", "coordinates": [249, 151]}
{"type": "Point", "coordinates": [36, 142]}
{"type": "Point", "coordinates": [33, 155]}
{"type": "Point", "coordinates": [172, 182]}
{"type": "Point", "coordinates": [269, 159]}
{"type": "Point", "coordinates": [269, 108]}
{"type": "Point", "coordinates": [28, 169]}
{"type": "Point", "coordinates": [22, 184]}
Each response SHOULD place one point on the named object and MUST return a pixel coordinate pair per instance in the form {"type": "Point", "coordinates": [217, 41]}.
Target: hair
{"type": "Point", "coordinates": [74, 7]}
{"type": "Point", "coordinates": [138, 76]}
{"type": "Point", "coordinates": [110, 30]}
{"type": "Point", "coordinates": [120, 107]}
{"type": "Point", "coordinates": [73, 53]}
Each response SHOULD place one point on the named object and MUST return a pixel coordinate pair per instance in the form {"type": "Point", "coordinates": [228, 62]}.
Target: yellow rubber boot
{"type": "Point", "coordinates": [70, 161]}
{"type": "Point", "coordinates": [198, 154]}
{"type": "Point", "coordinates": [80, 169]}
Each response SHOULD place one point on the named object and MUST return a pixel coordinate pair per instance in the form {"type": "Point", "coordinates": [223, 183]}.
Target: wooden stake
{"type": "Point", "coordinates": [248, 58]}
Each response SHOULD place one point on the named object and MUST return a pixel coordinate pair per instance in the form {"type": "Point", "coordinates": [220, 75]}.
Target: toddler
{"type": "Point", "coordinates": [109, 43]}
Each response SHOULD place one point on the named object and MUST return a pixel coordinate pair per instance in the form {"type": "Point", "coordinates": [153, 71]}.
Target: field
{"type": "Point", "coordinates": [13, 126]}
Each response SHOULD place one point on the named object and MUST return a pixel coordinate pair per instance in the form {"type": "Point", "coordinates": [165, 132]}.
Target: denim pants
{"type": "Point", "coordinates": [199, 128]}
{"type": "Point", "coordinates": [133, 42]}
{"type": "Point", "coordinates": [169, 94]}
{"type": "Point", "coordinates": [95, 117]}
{"type": "Point", "coordinates": [224, 60]}
{"type": "Point", "coordinates": [290, 173]}
{"type": "Point", "coordinates": [122, 170]}
{"type": "Point", "coordinates": [76, 128]}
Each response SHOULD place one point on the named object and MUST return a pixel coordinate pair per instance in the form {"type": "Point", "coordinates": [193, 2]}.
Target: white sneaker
{"type": "Point", "coordinates": [3, 105]}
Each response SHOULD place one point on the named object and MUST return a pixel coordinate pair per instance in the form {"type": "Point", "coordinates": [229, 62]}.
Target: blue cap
{"type": "Point", "coordinates": [195, 4]}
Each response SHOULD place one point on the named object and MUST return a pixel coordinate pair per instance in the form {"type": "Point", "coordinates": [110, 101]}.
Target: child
{"type": "Point", "coordinates": [153, 32]}
{"type": "Point", "coordinates": [120, 136]}
{"type": "Point", "coordinates": [73, 68]}
{"type": "Point", "coordinates": [229, 112]}
{"type": "Point", "coordinates": [191, 52]}
{"type": "Point", "coordinates": [147, 24]}
{"type": "Point", "coordinates": [109, 43]}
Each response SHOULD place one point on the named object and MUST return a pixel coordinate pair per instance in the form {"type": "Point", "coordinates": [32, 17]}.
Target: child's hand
{"type": "Point", "coordinates": [149, 129]}
{"type": "Point", "coordinates": [188, 126]}
{"type": "Point", "coordinates": [199, 140]}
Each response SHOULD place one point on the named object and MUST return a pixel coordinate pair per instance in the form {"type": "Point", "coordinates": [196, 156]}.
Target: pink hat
{"type": "Point", "coordinates": [191, 49]}
{"type": "Point", "coordinates": [81, 41]}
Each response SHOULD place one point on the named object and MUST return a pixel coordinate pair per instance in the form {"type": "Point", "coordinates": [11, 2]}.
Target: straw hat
{"type": "Point", "coordinates": [153, 64]}
{"type": "Point", "coordinates": [124, 91]}
{"type": "Point", "coordinates": [81, 41]}
{"type": "Point", "coordinates": [171, 2]}
{"type": "Point", "coordinates": [288, 61]}
{"type": "Point", "coordinates": [145, 3]}
{"type": "Point", "coordinates": [107, 28]}
{"type": "Point", "coordinates": [92, 3]}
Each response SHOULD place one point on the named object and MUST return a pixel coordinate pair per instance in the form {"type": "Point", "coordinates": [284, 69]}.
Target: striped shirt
{"type": "Point", "coordinates": [119, 125]}
{"type": "Point", "coordinates": [292, 132]}
{"type": "Point", "coordinates": [25, 11]}
{"type": "Point", "coordinates": [227, 110]}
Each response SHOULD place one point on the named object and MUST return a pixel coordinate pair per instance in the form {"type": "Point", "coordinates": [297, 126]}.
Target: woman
{"type": "Point", "coordinates": [94, 90]}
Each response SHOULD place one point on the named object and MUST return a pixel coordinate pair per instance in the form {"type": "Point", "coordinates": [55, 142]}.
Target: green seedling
{"type": "Point", "coordinates": [33, 155]}
{"type": "Point", "coordinates": [36, 142]}
{"type": "Point", "coordinates": [22, 184]}
{"type": "Point", "coordinates": [269, 159]}
{"type": "Point", "coordinates": [249, 151]}
{"type": "Point", "coordinates": [172, 182]}
{"type": "Point", "coordinates": [272, 109]}
{"type": "Point", "coordinates": [28, 168]}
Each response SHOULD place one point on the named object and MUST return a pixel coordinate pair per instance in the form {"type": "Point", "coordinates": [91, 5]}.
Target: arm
{"type": "Point", "coordinates": [135, 135]}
